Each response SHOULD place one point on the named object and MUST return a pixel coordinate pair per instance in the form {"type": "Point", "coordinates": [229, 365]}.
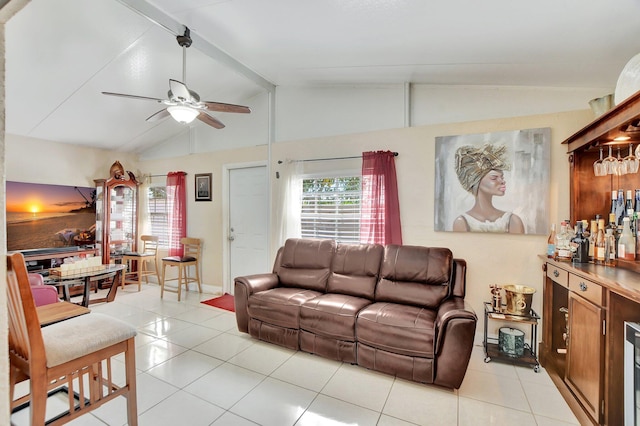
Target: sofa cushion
{"type": "Point", "coordinates": [305, 263]}
{"type": "Point", "coordinates": [400, 329]}
{"type": "Point", "coordinates": [332, 315]}
{"type": "Point", "coordinates": [279, 306]}
{"type": "Point", "coordinates": [354, 269]}
{"type": "Point", "coordinates": [413, 275]}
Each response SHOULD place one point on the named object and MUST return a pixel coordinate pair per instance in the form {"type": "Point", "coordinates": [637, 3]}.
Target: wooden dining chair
{"type": "Point", "coordinates": [65, 356]}
{"type": "Point", "coordinates": [149, 252]}
{"type": "Point", "coordinates": [191, 256]}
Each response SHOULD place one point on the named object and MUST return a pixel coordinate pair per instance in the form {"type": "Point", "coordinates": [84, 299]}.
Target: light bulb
{"type": "Point", "coordinates": [183, 114]}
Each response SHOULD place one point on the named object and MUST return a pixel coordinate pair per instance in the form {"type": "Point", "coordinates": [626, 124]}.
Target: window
{"type": "Point", "coordinates": [331, 208]}
{"type": "Point", "coordinates": [158, 214]}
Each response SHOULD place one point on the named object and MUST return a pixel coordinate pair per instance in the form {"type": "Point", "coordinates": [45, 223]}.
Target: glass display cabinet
{"type": "Point", "coordinates": [116, 214]}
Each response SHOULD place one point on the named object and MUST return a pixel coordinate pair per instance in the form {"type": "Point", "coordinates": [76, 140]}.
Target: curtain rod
{"type": "Point", "coordinates": [152, 176]}
{"type": "Point", "coordinates": [395, 154]}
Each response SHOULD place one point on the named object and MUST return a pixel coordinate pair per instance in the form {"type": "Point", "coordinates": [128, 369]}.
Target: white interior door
{"type": "Point", "coordinates": [248, 222]}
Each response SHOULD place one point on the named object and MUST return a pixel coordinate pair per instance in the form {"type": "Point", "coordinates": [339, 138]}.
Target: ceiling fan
{"type": "Point", "coordinates": [184, 105]}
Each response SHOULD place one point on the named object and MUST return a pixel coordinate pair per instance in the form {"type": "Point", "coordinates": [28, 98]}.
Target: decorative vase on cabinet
{"type": "Point", "coordinates": [116, 214]}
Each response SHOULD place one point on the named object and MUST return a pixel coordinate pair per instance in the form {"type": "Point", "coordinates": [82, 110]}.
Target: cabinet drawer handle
{"type": "Point", "coordinates": [556, 273]}
{"type": "Point", "coordinates": [583, 286]}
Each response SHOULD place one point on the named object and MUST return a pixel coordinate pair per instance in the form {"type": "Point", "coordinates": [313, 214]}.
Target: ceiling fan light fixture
{"type": "Point", "coordinates": [183, 114]}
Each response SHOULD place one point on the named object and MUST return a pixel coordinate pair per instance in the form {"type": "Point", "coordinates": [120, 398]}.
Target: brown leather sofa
{"type": "Point", "coordinates": [395, 309]}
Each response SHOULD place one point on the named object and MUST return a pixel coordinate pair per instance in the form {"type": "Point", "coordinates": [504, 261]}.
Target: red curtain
{"type": "Point", "coordinates": [380, 209]}
{"type": "Point", "coordinates": [177, 204]}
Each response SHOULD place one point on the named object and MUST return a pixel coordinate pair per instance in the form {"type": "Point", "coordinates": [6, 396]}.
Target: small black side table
{"type": "Point", "coordinates": [491, 347]}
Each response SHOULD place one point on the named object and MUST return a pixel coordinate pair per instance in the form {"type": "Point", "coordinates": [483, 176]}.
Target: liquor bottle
{"type": "Point", "coordinates": [628, 207]}
{"type": "Point", "coordinates": [620, 207]}
{"type": "Point", "coordinates": [637, 201]}
{"type": "Point", "coordinates": [614, 198]}
{"type": "Point", "coordinates": [592, 235]}
{"type": "Point", "coordinates": [627, 242]}
{"type": "Point", "coordinates": [600, 249]}
{"type": "Point", "coordinates": [610, 249]}
{"type": "Point", "coordinates": [563, 250]}
{"type": "Point", "coordinates": [615, 231]}
{"type": "Point", "coordinates": [551, 242]}
{"type": "Point", "coordinates": [580, 246]}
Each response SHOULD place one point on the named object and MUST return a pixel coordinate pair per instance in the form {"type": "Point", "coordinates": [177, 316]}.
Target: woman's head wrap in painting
{"type": "Point", "coordinates": [473, 162]}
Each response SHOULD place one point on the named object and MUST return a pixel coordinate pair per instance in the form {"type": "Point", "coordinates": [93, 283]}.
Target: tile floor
{"type": "Point", "coordinates": [195, 368]}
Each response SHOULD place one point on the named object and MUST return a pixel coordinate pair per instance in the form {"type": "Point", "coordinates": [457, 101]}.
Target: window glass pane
{"type": "Point", "coordinates": [331, 208]}
{"type": "Point", "coordinates": [158, 217]}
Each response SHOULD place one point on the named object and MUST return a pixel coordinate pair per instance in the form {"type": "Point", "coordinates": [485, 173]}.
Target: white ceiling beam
{"type": "Point", "coordinates": [159, 17]}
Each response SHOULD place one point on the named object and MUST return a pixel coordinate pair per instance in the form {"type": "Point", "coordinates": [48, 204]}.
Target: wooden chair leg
{"type": "Point", "coordinates": [130, 371]}
{"type": "Point", "coordinates": [164, 272]}
{"type": "Point", "coordinates": [180, 268]}
{"type": "Point", "coordinates": [198, 278]}
{"type": "Point", "coordinates": [124, 274]}
{"type": "Point", "coordinates": [38, 402]}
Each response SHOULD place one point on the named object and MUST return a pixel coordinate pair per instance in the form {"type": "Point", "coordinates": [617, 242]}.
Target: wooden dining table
{"type": "Point", "coordinates": [56, 312]}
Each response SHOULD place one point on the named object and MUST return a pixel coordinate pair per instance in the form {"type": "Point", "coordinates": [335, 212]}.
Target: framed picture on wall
{"type": "Point", "coordinates": [203, 187]}
{"type": "Point", "coordinates": [493, 182]}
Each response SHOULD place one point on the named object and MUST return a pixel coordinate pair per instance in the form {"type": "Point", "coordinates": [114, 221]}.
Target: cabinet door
{"type": "Point", "coordinates": [122, 229]}
{"type": "Point", "coordinates": [585, 355]}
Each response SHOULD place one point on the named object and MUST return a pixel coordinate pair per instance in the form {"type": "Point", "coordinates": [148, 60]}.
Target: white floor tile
{"type": "Point", "coordinates": [155, 353]}
{"type": "Point", "coordinates": [262, 357]}
{"type": "Point", "coordinates": [421, 404]}
{"type": "Point", "coordinates": [494, 389]}
{"type": "Point", "coordinates": [230, 419]}
{"type": "Point", "coordinates": [223, 322]}
{"type": "Point", "coordinates": [191, 336]}
{"type": "Point", "coordinates": [184, 368]}
{"type": "Point", "coordinates": [478, 413]}
{"type": "Point", "coordinates": [225, 385]}
{"type": "Point", "coordinates": [181, 408]}
{"type": "Point", "coordinates": [198, 315]}
{"type": "Point", "coordinates": [325, 410]}
{"type": "Point", "coordinates": [164, 327]}
{"type": "Point", "coordinates": [546, 400]}
{"type": "Point", "coordinates": [359, 386]}
{"type": "Point", "coordinates": [392, 421]}
{"type": "Point", "coordinates": [224, 346]}
{"type": "Point", "coordinates": [274, 403]}
{"type": "Point", "coordinates": [308, 371]}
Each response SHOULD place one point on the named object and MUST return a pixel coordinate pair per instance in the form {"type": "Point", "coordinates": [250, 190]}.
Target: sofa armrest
{"type": "Point", "coordinates": [455, 329]}
{"type": "Point", "coordinates": [245, 287]}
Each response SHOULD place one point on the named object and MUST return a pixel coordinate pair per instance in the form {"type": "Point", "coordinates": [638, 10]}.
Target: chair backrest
{"type": "Point", "coordinates": [35, 279]}
{"type": "Point", "coordinates": [26, 347]}
{"type": "Point", "coordinates": [149, 244]}
{"type": "Point", "coordinates": [191, 247]}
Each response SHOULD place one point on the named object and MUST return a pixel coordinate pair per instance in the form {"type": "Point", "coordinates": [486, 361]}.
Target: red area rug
{"type": "Point", "coordinates": [223, 302]}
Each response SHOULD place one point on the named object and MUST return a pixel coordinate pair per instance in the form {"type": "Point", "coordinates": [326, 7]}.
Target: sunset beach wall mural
{"type": "Point", "coordinates": [45, 216]}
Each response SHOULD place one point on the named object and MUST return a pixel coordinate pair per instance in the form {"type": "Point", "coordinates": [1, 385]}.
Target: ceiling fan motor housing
{"type": "Point", "coordinates": [185, 40]}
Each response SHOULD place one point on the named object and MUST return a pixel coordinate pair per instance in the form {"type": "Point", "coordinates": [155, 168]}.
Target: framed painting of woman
{"type": "Point", "coordinates": [493, 182]}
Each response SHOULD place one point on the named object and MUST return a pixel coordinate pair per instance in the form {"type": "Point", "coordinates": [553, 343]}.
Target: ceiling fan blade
{"type": "Point", "coordinates": [163, 113]}
{"type": "Point", "coordinates": [122, 95]}
{"type": "Point", "coordinates": [206, 118]}
{"type": "Point", "coordinates": [221, 107]}
{"type": "Point", "coordinates": [179, 90]}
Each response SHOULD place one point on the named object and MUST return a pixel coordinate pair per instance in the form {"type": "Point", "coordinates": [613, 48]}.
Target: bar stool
{"type": "Point", "coordinates": [189, 258]}
{"type": "Point", "coordinates": [149, 252]}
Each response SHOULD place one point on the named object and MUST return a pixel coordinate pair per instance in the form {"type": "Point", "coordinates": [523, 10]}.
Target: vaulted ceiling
{"type": "Point", "coordinates": [61, 54]}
